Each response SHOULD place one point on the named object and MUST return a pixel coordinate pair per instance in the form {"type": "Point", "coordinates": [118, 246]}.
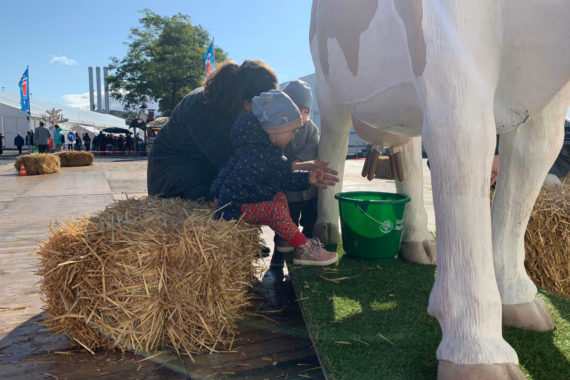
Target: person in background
{"type": "Point", "coordinates": [101, 142]}
{"type": "Point", "coordinates": [70, 140]}
{"type": "Point", "coordinates": [129, 143]}
{"type": "Point", "coordinates": [78, 141]}
{"type": "Point", "coordinates": [41, 137]}
{"type": "Point", "coordinates": [1, 143]}
{"type": "Point", "coordinates": [87, 141]}
{"type": "Point", "coordinates": [58, 138]}
{"type": "Point", "coordinates": [302, 148]}
{"type": "Point", "coordinates": [121, 143]}
{"type": "Point", "coordinates": [249, 187]}
{"type": "Point", "coordinates": [30, 141]}
{"type": "Point", "coordinates": [19, 142]}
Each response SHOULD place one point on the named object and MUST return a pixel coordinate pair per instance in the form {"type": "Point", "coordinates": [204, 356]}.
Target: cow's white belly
{"type": "Point", "coordinates": [382, 94]}
{"type": "Point", "coordinates": [534, 64]}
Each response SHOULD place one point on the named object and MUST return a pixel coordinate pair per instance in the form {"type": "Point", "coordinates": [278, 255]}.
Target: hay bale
{"type": "Point", "coordinates": [547, 240]}
{"type": "Point", "coordinates": [149, 273]}
{"type": "Point", "coordinates": [35, 164]}
{"type": "Point", "coordinates": [75, 158]}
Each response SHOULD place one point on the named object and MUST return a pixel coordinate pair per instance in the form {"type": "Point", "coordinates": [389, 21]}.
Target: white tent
{"type": "Point", "coordinates": [13, 120]}
{"type": "Point", "coordinates": [90, 130]}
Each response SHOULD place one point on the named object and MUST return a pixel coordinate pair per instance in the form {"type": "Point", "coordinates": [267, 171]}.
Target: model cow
{"type": "Point", "coordinates": [456, 73]}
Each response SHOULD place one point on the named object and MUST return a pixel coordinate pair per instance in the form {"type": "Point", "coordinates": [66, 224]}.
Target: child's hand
{"type": "Point", "coordinates": [320, 175]}
{"type": "Point", "coordinates": [310, 165]}
{"type": "Point", "coordinates": [318, 178]}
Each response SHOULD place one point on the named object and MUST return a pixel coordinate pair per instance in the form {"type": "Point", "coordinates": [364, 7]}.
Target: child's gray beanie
{"type": "Point", "coordinates": [300, 92]}
{"type": "Point", "coordinates": [276, 112]}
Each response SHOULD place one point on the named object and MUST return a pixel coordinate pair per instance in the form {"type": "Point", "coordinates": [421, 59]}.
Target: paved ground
{"type": "Point", "coordinates": [29, 204]}
{"type": "Point", "coordinates": [27, 207]}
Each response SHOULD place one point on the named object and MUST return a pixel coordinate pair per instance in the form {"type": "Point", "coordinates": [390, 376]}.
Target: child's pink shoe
{"type": "Point", "coordinates": [313, 253]}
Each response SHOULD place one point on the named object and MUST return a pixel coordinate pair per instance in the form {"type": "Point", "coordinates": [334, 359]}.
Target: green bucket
{"type": "Point", "coordinates": [371, 223]}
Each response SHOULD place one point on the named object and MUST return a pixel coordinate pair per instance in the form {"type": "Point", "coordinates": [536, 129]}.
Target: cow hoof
{"type": "Point", "coordinates": [532, 316]}
{"type": "Point", "coordinates": [505, 371]}
{"type": "Point", "coordinates": [327, 233]}
{"type": "Point", "coordinates": [418, 252]}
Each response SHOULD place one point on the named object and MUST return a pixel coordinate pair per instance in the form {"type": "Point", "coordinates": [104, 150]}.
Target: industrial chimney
{"type": "Point", "coordinates": [106, 87]}
{"type": "Point", "coordinates": [91, 98]}
{"type": "Point", "coordinates": [98, 76]}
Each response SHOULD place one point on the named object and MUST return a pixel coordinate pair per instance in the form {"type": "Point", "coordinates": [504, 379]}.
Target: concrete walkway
{"type": "Point", "coordinates": [29, 204]}
{"type": "Point", "coordinates": [27, 207]}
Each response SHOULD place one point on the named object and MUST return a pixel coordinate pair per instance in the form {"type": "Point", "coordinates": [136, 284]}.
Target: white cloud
{"type": "Point", "coordinates": [82, 101]}
{"type": "Point", "coordinates": [77, 100]}
{"type": "Point", "coordinates": [63, 60]}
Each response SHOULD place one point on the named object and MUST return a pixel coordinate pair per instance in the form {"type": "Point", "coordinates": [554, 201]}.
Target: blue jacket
{"type": "Point", "coordinates": [255, 172]}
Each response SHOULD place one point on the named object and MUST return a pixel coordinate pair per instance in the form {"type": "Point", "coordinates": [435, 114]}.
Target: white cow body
{"type": "Point", "coordinates": [456, 72]}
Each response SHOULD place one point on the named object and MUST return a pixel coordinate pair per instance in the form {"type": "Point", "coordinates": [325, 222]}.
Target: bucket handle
{"type": "Point", "coordinates": [386, 226]}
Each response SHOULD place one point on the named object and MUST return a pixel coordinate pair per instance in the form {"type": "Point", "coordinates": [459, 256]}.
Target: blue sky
{"type": "Point", "coordinates": [60, 39]}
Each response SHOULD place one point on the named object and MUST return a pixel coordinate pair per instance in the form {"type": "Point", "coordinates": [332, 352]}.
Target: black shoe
{"type": "Point", "coordinates": [278, 291]}
{"type": "Point", "coordinates": [277, 260]}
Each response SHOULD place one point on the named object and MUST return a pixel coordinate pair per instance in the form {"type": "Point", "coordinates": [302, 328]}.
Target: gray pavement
{"type": "Point", "coordinates": [27, 207]}
{"type": "Point", "coordinates": [29, 204]}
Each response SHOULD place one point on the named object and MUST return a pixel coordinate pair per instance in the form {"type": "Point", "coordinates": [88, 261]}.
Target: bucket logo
{"type": "Point", "coordinates": [399, 224]}
{"type": "Point", "coordinates": [387, 226]}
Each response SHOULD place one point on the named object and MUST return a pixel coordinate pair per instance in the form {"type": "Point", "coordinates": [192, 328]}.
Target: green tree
{"type": "Point", "coordinates": [163, 62]}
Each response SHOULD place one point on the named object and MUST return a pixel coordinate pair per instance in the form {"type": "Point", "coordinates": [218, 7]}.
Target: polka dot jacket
{"type": "Point", "coordinates": [255, 172]}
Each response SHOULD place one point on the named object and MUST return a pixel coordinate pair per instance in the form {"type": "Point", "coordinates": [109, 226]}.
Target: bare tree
{"type": "Point", "coordinates": [53, 116]}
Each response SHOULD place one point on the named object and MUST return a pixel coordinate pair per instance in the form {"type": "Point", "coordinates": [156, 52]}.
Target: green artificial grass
{"type": "Point", "coordinates": [369, 321]}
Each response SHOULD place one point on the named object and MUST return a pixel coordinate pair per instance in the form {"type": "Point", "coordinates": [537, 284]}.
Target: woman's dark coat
{"type": "Point", "coordinates": [189, 150]}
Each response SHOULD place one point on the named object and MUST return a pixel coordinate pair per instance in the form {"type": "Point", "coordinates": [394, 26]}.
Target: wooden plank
{"type": "Point", "coordinates": [259, 353]}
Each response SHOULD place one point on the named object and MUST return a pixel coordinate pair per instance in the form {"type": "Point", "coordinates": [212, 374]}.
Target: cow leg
{"type": "Point", "coordinates": [333, 146]}
{"type": "Point", "coordinates": [457, 88]}
{"type": "Point", "coordinates": [418, 245]}
{"type": "Point", "coordinates": [465, 297]}
{"type": "Point", "coordinates": [526, 155]}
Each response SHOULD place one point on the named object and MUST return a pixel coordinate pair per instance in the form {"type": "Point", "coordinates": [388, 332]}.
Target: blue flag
{"type": "Point", "coordinates": [208, 58]}
{"type": "Point", "coordinates": [25, 92]}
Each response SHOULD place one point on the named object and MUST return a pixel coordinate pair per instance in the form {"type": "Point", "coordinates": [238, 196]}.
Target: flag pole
{"type": "Point", "coordinates": [29, 101]}
{"type": "Point", "coordinates": [29, 96]}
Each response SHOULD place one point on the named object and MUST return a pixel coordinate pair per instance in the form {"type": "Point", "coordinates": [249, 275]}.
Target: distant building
{"type": "Point", "coordinates": [13, 120]}
{"type": "Point", "coordinates": [355, 144]}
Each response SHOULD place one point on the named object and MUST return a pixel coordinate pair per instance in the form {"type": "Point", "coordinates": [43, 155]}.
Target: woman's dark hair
{"type": "Point", "coordinates": [230, 85]}
{"type": "Point", "coordinates": [222, 89]}
{"type": "Point", "coordinates": [256, 77]}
